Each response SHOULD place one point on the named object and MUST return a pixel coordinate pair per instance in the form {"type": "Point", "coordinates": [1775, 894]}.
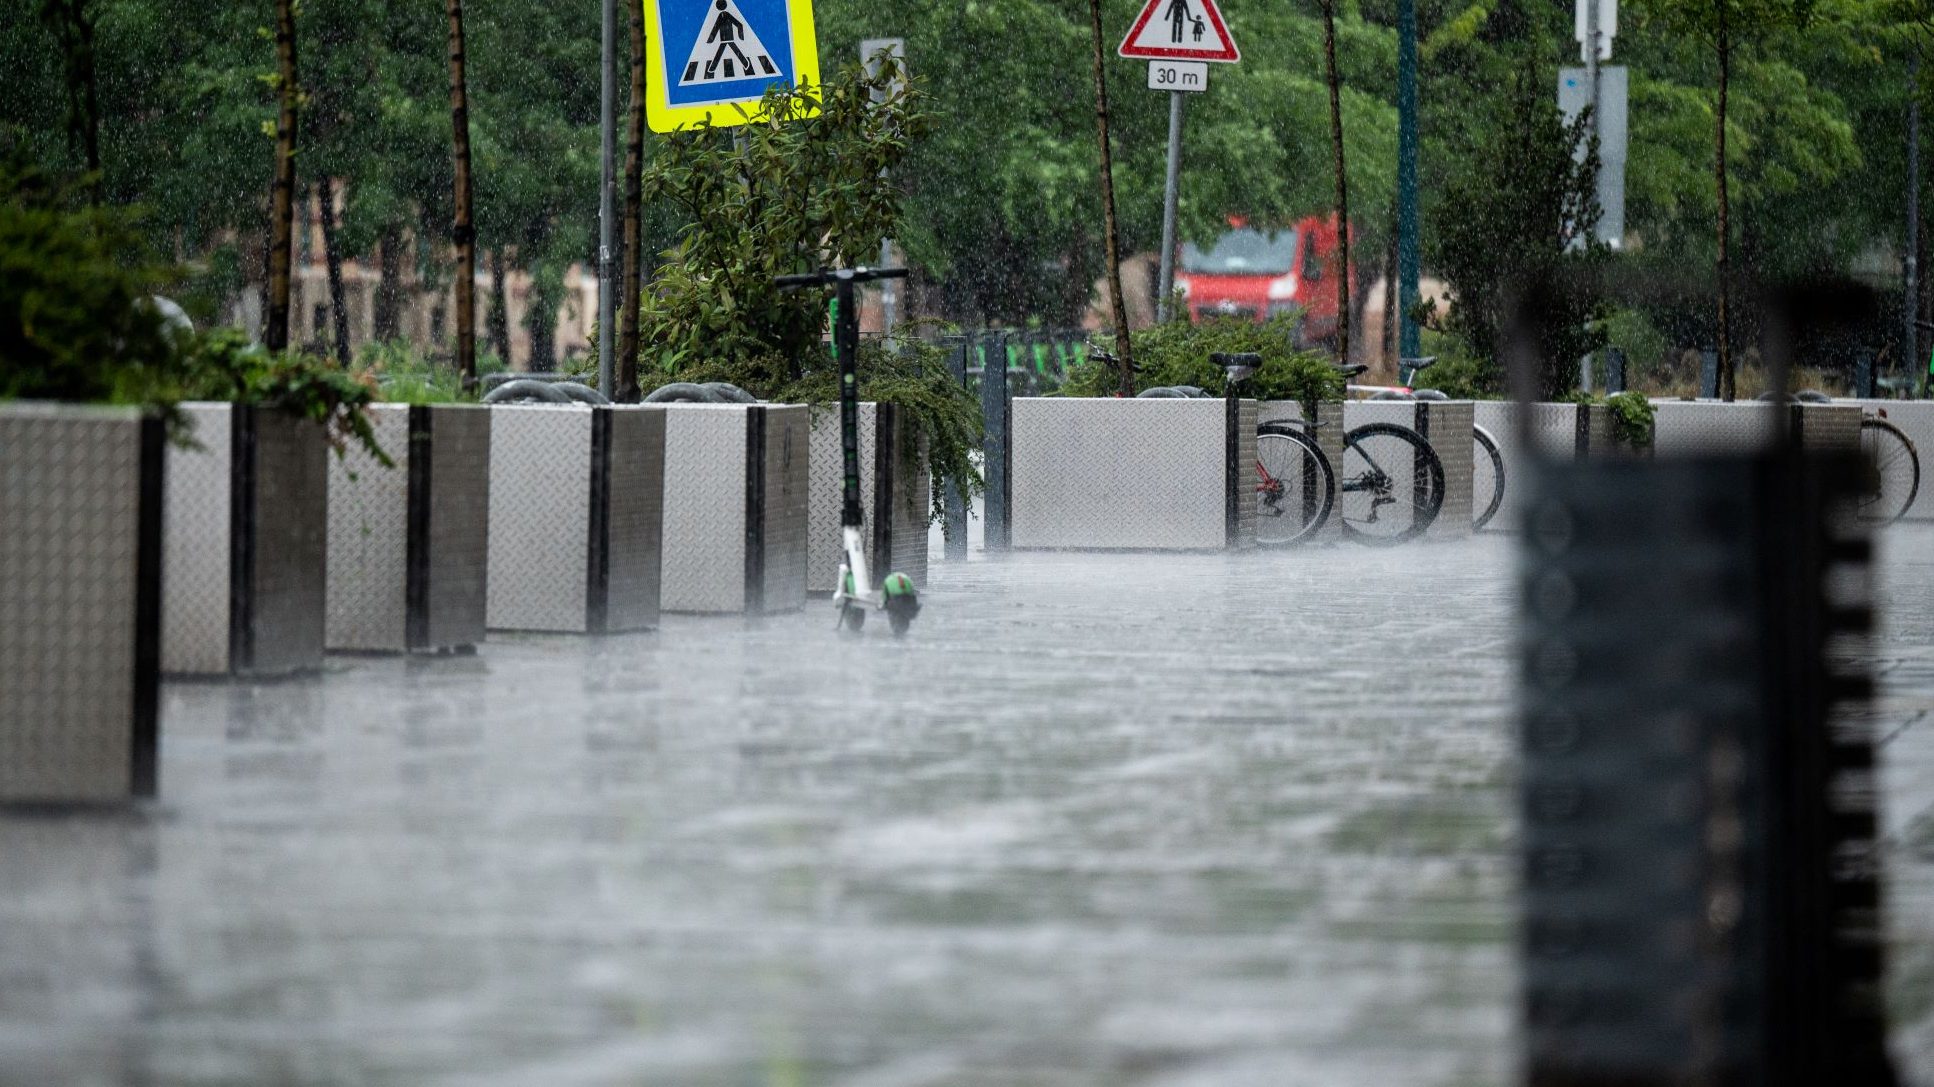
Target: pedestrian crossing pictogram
{"type": "Point", "coordinates": [712, 62]}
{"type": "Point", "coordinates": [727, 49]}
{"type": "Point", "coordinates": [1180, 30]}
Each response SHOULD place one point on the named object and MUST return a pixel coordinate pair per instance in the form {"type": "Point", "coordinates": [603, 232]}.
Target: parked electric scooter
{"type": "Point", "coordinates": [854, 593]}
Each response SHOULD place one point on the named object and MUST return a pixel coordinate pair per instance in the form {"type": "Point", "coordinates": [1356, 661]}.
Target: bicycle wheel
{"type": "Point", "coordinates": [1487, 478]}
{"type": "Point", "coordinates": [1392, 484]}
{"type": "Point", "coordinates": [1896, 475]}
{"type": "Point", "coordinates": [1295, 487]}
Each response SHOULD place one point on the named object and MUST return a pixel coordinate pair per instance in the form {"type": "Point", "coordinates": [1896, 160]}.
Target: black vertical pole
{"type": "Point", "coordinates": [846, 342]}
{"type": "Point", "coordinates": [954, 528]}
{"type": "Point", "coordinates": [995, 412]}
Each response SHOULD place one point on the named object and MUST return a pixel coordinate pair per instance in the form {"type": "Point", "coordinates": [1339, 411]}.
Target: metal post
{"type": "Point", "coordinates": [1166, 279]}
{"type": "Point", "coordinates": [607, 212]}
{"type": "Point", "coordinates": [995, 413]}
{"type": "Point", "coordinates": [954, 527]}
{"type": "Point", "coordinates": [887, 294]}
{"type": "Point", "coordinates": [1408, 342]}
{"type": "Point", "coordinates": [1910, 301]}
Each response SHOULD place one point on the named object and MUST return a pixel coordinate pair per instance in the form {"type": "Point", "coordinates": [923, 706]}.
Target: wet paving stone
{"type": "Point", "coordinates": [1100, 820]}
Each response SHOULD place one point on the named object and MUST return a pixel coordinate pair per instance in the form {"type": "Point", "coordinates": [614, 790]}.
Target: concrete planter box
{"type": "Point", "coordinates": [736, 499]}
{"type": "Point", "coordinates": [576, 513]}
{"type": "Point", "coordinates": [896, 514]}
{"type": "Point", "coordinates": [1106, 474]}
{"type": "Point", "coordinates": [245, 544]}
{"type": "Point", "coordinates": [1691, 427]}
{"type": "Point", "coordinates": [408, 546]}
{"type": "Point", "coordinates": [80, 593]}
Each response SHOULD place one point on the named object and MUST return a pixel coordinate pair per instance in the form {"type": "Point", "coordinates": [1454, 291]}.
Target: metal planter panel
{"type": "Point", "coordinates": [369, 539]}
{"type": "Point", "coordinates": [196, 547]}
{"type": "Point", "coordinates": [903, 511]}
{"type": "Point", "coordinates": [1690, 428]}
{"type": "Point", "coordinates": [80, 573]}
{"type": "Point", "coordinates": [540, 516]}
{"type": "Point", "coordinates": [827, 486]}
{"type": "Point", "coordinates": [408, 547]}
{"type": "Point", "coordinates": [784, 505]}
{"type": "Point", "coordinates": [635, 491]}
{"type": "Point", "coordinates": [703, 567]}
{"type": "Point", "coordinates": [285, 539]}
{"type": "Point", "coordinates": [245, 544]}
{"type": "Point", "coordinates": [1119, 474]}
{"type": "Point", "coordinates": [452, 550]}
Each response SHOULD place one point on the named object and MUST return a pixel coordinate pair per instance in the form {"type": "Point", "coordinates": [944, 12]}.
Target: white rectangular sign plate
{"type": "Point", "coordinates": [1178, 75]}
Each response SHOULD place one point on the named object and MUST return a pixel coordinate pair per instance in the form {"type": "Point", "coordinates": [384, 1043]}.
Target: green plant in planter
{"type": "Point", "coordinates": [224, 365]}
{"type": "Point", "coordinates": [404, 375]}
{"type": "Point", "coordinates": [1177, 353]}
{"type": "Point", "coordinates": [1633, 419]}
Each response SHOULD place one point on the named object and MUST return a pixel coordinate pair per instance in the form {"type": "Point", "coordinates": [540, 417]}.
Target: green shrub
{"type": "Point", "coordinates": [74, 280]}
{"type": "Point", "coordinates": [404, 375]}
{"type": "Point", "coordinates": [1633, 417]}
{"type": "Point", "coordinates": [1177, 353]}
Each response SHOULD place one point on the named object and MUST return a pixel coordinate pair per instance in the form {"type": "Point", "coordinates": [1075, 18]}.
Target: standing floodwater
{"type": "Point", "coordinates": [1150, 819]}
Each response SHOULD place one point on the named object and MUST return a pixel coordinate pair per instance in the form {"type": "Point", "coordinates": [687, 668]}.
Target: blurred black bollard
{"type": "Point", "coordinates": [1700, 885]}
{"type": "Point", "coordinates": [1863, 374]}
{"type": "Point", "coordinates": [1708, 373]}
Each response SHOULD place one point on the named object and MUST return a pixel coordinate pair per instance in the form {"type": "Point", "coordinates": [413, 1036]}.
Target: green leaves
{"type": "Point", "coordinates": [807, 188]}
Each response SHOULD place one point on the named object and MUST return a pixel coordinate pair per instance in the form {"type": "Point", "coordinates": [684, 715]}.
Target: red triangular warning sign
{"type": "Point", "coordinates": [1180, 30]}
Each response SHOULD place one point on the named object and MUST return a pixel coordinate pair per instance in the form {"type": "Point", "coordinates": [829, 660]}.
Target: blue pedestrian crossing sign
{"type": "Point", "coordinates": [714, 59]}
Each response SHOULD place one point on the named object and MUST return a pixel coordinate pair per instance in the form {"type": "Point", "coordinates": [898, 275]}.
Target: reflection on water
{"type": "Point", "coordinates": [1101, 820]}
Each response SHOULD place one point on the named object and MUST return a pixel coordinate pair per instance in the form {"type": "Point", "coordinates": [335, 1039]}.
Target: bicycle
{"type": "Point", "coordinates": [1890, 488]}
{"type": "Point", "coordinates": [1297, 488]}
{"type": "Point", "coordinates": [1487, 459]}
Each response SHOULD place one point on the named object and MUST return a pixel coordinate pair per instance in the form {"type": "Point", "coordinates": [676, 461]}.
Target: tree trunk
{"type": "Point", "coordinates": [1112, 236]}
{"type": "Point", "coordinates": [275, 333]}
{"type": "Point", "coordinates": [626, 369]}
{"type": "Point", "coordinates": [389, 284]}
{"type": "Point", "coordinates": [338, 304]}
{"type": "Point", "coordinates": [497, 322]}
{"type": "Point", "coordinates": [1726, 384]}
{"type": "Point", "coordinates": [541, 321]}
{"type": "Point", "coordinates": [462, 234]}
{"type": "Point", "coordinates": [74, 29]}
{"type": "Point", "coordinates": [1342, 183]}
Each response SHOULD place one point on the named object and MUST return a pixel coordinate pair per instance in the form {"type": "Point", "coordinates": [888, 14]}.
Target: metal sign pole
{"type": "Point", "coordinates": [1169, 193]}
{"type": "Point", "coordinates": [607, 213]}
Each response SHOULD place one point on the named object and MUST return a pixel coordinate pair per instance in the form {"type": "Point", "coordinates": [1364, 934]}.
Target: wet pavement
{"type": "Point", "coordinates": [1138, 820]}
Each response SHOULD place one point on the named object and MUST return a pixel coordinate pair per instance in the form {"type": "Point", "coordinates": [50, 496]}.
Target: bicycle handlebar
{"type": "Point", "coordinates": [834, 275]}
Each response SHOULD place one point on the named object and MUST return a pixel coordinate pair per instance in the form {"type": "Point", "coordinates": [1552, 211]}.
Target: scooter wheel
{"type": "Point", "coordinates": [852, 618]}
{"type": "Point", "coordinates": [902, 602]}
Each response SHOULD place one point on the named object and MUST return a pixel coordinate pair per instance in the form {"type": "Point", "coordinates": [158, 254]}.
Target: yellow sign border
{"type": "Point", "coordinates": [665, 117]}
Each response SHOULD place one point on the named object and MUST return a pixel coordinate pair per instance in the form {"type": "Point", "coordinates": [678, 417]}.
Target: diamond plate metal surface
{"type": "Point", "coordinates": [285, 584]}
{"type": "Point", "coordinates": [912, 511]}
{"type": "Point", "coordinates": [369, 539]}
{"type": "Point", "coordinates": [540, 507]}
{"type": "Point", "coordinates": [1247, 412]}
{"type": "Point", "coordinates": [1119, 474]}
{"type": "Point", "coordinates": [827, 484]}
{"type": "Point", "coordinates": [1694, 427]}
{"type": "Point", "coordinates": [70, 517]}
{"type": "Point", "coordinates": [787, 503]}
{"type": "Point", "coordinates": [704, 535]}
{"type": "Point", "coordinates": [459, 526]}
{"type": "Point", "coordinates": [196, 547]}
{"type": "Point", "coordinates": [636, 517]}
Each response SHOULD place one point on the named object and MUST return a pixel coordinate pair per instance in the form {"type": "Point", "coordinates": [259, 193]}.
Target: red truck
{"type": "Point", "coordinates": [1260, 273]}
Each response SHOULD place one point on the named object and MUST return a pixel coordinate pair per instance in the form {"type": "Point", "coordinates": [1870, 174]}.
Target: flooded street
{"type": "Point", "coordinates": [1216, 821]}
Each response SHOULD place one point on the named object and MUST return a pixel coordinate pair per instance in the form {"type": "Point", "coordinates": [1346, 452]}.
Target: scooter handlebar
{"type": "Point", "coordinates": [834, 275]}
